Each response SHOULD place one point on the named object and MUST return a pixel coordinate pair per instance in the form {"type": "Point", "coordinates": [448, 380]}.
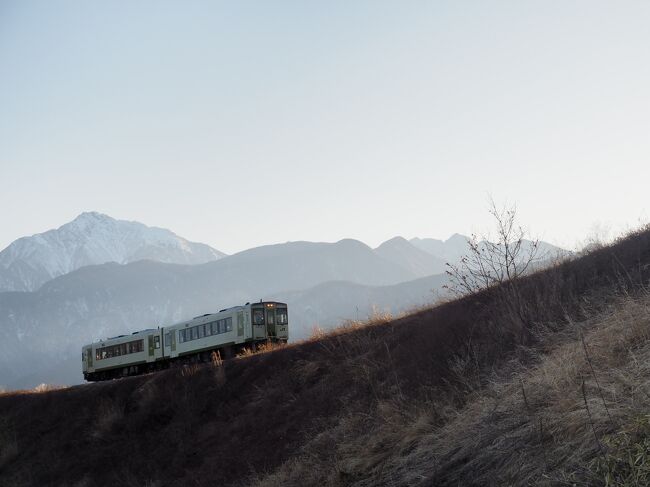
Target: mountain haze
{"type": "Point", "coordinates": [450, 250]}
{"type": "Point", "coordinates": [403, 253]}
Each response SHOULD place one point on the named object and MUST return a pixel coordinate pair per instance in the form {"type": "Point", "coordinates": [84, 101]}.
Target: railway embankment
{"type": "Point", "coordinates": [543, 383]}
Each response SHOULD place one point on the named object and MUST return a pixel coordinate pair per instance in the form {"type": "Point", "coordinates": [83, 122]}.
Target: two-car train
{"type": "Point", "coordinates": [189, 341]}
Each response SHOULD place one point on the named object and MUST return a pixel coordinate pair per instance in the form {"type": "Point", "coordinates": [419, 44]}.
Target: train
{"type": "Point", "coordinates": [196, 340]}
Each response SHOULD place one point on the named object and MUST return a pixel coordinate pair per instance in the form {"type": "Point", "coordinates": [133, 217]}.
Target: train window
{"type": "Point", "coordinates": [258, 316]}
{"type": "Point", "coordinates": [181, 336]}
{"type": "Point", "coordinates": [199, 331]}
{"type": "Point", "coordinates": [270, 316]}
{"type": "Point", "coordinates": [168, 339]}
{"type": "Point", "coordinates": [214, 328]}
{"type": "Point", "coordinates": [120, 349]}
{"type": "Point", "coordinates": [156, 342]}
{"type": "Point", "coordinates": [228, 324]}
{"type": "Point", "coordinates": [281, 317]}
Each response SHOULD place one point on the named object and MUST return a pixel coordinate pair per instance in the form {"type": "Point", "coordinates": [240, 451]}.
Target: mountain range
{"type": "Point", "coordinates": [42, 330]}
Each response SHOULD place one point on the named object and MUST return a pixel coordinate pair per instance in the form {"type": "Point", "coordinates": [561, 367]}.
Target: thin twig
{"type": "Point", "coordinates": [593, 372]}
{"type": "Point", "coordinates": [591, 421]}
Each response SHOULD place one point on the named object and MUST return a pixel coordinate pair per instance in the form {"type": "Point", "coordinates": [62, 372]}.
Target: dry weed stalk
{"type": "Point", "coordinates": [215, 359]}
{"type": "Point", "coordinates": [189, 370]}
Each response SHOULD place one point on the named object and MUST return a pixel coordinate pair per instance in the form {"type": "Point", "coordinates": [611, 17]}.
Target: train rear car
{"type": "Point", "coordinates": [123, 355]}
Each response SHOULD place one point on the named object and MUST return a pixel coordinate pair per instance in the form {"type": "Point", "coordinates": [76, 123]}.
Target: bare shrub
{"type": "Point", "coordinates": [494, 260]}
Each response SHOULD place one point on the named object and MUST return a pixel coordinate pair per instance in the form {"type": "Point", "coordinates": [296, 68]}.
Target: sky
{"type": "Point", "coordinates": [245, 123]}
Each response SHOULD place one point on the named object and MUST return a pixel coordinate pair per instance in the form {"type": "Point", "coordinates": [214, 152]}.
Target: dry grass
{"type": "Point", "coordinates": [264, 347]}
{"type": "Point", "coordinates": [529, 426]}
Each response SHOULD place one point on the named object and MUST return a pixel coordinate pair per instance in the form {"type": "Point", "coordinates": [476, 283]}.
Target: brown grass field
{"type": "Point", "coordinates": [545, 381]}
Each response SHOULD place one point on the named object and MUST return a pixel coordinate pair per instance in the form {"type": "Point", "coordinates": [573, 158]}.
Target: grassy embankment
{"type": "Point", "coordinates": [544, 383]}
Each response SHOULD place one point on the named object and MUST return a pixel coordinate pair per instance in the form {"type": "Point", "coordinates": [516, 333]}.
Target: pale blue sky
{"type": "Point", "coordinates": [244, 123]}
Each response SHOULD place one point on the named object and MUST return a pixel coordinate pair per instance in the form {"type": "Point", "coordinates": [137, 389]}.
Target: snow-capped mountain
{"type": "Point", "coordinates": [92, 238]}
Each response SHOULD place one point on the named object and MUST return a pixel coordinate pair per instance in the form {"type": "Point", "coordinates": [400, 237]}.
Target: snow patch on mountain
{"type": "Point", "coordinates": [93, 238]}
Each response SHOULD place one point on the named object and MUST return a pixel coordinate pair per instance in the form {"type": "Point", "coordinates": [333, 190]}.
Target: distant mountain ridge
{"type": "Point", "coordinates": [90, 239]}
{"type": "Point", "coordinates": [456, 247]}
{"type": "Point", "coordinates": [450, 250]}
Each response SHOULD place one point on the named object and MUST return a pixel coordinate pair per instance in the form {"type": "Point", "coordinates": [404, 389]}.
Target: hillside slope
{"type": "Point", "coordinates": [427, 399]}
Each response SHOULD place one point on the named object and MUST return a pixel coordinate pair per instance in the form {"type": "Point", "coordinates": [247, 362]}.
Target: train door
{"type": "Point", "coordinates": [240, 323]}
{"type": "Point", "coordinates": [169, 343]}
{"type": "Point", "coordinates": [259, 325]}
{"type": "Point", "coordinates": [270, 322]}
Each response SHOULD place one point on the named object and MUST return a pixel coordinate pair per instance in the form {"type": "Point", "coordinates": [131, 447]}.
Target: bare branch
{"type": "Point", "coordinates": [491, 262]}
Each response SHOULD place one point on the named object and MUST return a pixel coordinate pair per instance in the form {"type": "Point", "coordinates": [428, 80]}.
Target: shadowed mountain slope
{"type": "Point", "coordinates": [373, 405]}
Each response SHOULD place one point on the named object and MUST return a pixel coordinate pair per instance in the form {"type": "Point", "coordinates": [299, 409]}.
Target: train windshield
{"type": "Point", "coordinates": [281, 316]}
{"type": "Point", "coordinates": [258, 316]}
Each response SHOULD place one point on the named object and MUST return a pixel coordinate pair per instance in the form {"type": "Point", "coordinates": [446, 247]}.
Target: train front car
{"type": "Point", "coordinates": [270, 321]}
